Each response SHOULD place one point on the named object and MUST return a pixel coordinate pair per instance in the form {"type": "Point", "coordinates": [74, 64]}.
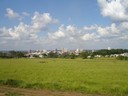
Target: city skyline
{"type": "Point", "coordinates": [71, 24]}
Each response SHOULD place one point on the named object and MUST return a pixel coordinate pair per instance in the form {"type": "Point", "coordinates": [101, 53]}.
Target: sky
{"type": "Point", "coordinates": [57, 24]}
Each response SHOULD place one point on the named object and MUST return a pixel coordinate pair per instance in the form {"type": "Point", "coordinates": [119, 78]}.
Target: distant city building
{"type": "Point", "coordinates": [124, 54]}
{"type": "Point", "coordinates": [78, 51]}
{"type": "Point", "coordinates": [64, 50]}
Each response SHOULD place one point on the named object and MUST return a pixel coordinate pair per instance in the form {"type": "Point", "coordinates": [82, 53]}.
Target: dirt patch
{"type": "Point", "coordinates": [5, 91]}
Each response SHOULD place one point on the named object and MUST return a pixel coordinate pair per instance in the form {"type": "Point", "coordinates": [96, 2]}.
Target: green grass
{"type": "Point", "coordinates": [95, 76]}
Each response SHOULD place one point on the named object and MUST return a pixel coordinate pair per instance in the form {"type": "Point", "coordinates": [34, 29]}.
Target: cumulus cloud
{"type": "Point", "coordinates": [71, 28]}
{"type": "Point", "coordinates": [41, 21]}
{"type": "Point", "coordinates": [90, 33]}
{"type": "Point", "coordinates": [14, 15]}
{"type": "Point", "coordinates": [69, 35]}
{"type": "Point", "coordinates": [88, 28]}
{"type": "Point", "coordinates": [28, 32]}
{"type": "Point", "coordinates": [20, 31]}
{"type": "Point", "coordinates": [108, 30]}
{"type": "Point", "coordinates": [115, 9]}
{"type": "Point", "coordinates": [124, 25]}
{"type": "Point", "coordinates": [25, 13]}
{"type": "Point", "coordinates": [3, 32]}
{"type": "Point", "coordinates": [88, 36]}
{"type": "Point", "coordinates": [11, 14]}
{"type": "Point", "coordinates": [59, 34]}
{"type": "Point", "coordinates": [5, 35]}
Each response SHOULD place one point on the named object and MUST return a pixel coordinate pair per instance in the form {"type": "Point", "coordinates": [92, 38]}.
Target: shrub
{"type": "Point", "coordinates": [72, 56]}
{"type": "Point", "coordinates": [122, 58]}
{"type": "Point", "coordinates": [12, 83]}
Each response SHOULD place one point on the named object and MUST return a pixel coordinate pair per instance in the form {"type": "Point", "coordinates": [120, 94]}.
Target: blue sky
{"type": "Point", "coordinates": [47, 24]}
{"type": "Point", "coordinates": [84, 12]}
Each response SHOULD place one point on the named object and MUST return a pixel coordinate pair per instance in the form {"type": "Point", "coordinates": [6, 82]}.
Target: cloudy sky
{"type": "Point", "coordinates": [51, 24]}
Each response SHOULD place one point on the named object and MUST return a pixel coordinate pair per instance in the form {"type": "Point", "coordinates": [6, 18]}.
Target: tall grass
{"type": "Point", "coordinates": [96, 76]}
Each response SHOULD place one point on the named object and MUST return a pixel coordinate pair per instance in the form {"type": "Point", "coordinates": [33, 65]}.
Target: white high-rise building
{"type": "Point", "coordinates": [64, 50]}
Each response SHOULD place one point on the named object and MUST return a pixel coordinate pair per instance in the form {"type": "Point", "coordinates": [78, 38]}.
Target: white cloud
{"type": "Point", "coordinates": [11, 14]}
{"type": "Point", "coordinates": [14, 15]}
{"type": "Point", "coordinates": [57, 35]}
{"type": "Point", "coordinates": [25, 14]}
{"type": "Point", "coordinates": [69, 35]}
{"type": "Point", "coordinates": [92, 27]}
{"type": "Point", "coordinates": [20, 31]}
{"type": "Point", "coordinates": [108, 30]}
{"type": "Point", "coordinates": [114, 28]}
{"type": "Point", "coordinates": [103, 31]}
{"type": "Point", "coordinates": [72, 31]}
{"type": "Point", "coordinates": [41, 21]}
{"type": "Point", "coordinates": [29, 32]}
{"type": "Point", "coordinates": [3, 32]}
{"type": "Point", "coordinates": [115, 9]}
{"type": "Point", "coordinates": [88, 36]}
{"type": "Point", "coordinates": [124, 25]}
{"type": "Point", "coordinates": [71, 28]}
{"type": "Point", "coordinates": [124, 37]}
{"type": "Point", "coordinates": [65, 35]}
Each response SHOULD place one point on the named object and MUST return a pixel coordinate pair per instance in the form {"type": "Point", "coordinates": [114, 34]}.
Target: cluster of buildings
{"type": "Point", "coordinates": [42, 53]}
{"type": "Point", "coordinates": [112, 55]}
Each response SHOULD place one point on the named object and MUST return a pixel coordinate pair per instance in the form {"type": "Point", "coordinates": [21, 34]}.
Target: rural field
{"type": "Point", "coordinates": [99, 77]}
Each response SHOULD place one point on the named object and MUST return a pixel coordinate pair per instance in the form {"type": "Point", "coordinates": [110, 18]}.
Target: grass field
{"type": "Point", "coordinates": [94, 76]}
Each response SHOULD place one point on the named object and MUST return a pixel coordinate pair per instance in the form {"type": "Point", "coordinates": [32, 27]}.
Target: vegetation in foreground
{"type": "Point", "coordinates": [95, 76]}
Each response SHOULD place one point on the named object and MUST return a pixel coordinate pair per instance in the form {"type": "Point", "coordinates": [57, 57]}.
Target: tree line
{"type": "Point", "coordinates": [83, 54]}
{"type": "Point", "coordinates": [12, 54]}
{"type": "Point", "coordinates": [104, 52]}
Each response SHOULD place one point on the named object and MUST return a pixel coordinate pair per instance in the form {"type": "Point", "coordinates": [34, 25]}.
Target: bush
{"type": "Point", "coordinates": [84, 55]}
{"type": "Point", "coordinates": [12, 83]}
{"type": "Point", "coordinates": [52, 55]}
{"type": "Point", "coordinates": [34, 86]}
{"type": "Point", "coordinates": [122, 58]}
{"type": "Point", "coordinates": [72, 56]}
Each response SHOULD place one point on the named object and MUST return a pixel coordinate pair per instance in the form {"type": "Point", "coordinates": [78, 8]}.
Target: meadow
{"type": "Point", "coordinates": [106, 76]}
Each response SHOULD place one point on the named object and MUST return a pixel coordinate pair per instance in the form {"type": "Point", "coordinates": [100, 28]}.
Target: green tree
{"type": "Point", "coordinates": [20, 54]}
{"type": "Point", "coordinates": [72, 56]}
{"type": "Point", "coordinates": [52, 55]}
{"type": "Point", "coordinates": [84, 55]}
